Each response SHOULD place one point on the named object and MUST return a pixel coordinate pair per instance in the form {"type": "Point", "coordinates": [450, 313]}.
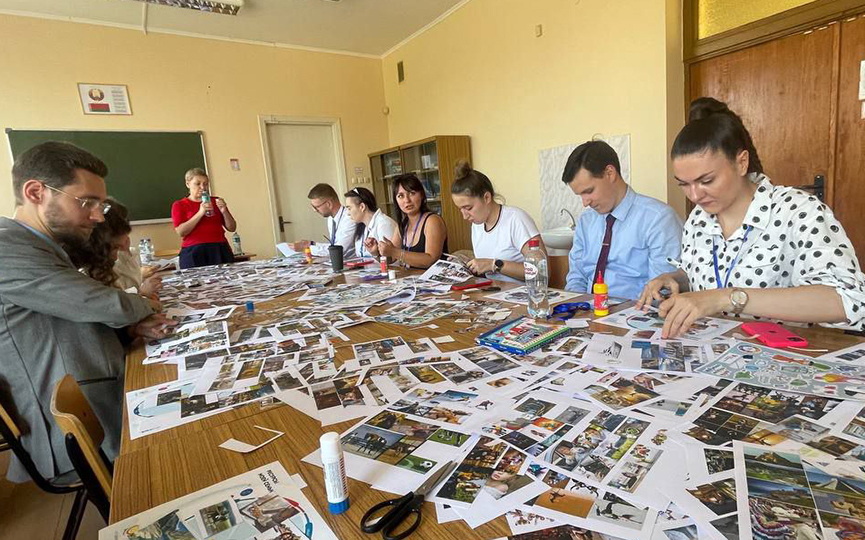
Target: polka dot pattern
{"type": "Point", "coordinates": [795, 240]}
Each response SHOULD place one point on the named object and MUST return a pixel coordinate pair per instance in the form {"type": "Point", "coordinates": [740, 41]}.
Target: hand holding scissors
{"type": "Point", "coordinates": [400, 508]}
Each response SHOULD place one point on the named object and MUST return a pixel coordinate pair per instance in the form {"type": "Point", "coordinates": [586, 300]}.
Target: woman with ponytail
{"type": "Point", "coordinates": [751, 247]}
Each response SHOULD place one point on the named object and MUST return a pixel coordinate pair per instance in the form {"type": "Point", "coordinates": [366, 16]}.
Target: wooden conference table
{"type": "Point", "coordinates": [164, 466]}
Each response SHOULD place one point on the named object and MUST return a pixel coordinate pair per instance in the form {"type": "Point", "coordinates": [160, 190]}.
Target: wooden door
{"type": "Point", "coordinates": [798, 96]}
{"type": "Point", "coordinates": [783, 92]}
{"type": "Point", "coordinates": [849, 192]}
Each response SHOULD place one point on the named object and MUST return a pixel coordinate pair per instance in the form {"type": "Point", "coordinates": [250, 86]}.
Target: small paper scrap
{"type": "Point", "coordinates": [298, 480]}
{"type": "Point", "coordinates": [244, 448]}
{"type": "Point", "coordinates": [443, 339]}
{"type": "Point", "coordinates": [577, 323]}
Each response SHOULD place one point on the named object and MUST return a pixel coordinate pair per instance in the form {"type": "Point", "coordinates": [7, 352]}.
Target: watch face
{"type": "Point", "coordinates": [739, 298]}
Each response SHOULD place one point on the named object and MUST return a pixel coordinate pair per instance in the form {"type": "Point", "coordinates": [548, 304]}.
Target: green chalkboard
{"type": "Point", "coordinates": [145, 169]}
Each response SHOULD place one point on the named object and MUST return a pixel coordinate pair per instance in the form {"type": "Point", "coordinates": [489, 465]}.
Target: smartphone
{"type": "Point", "coordinates": [774, 335]}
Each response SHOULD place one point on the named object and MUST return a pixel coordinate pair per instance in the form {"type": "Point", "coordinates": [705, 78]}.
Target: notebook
{"type": "Point", "coordinates": [522, 335]}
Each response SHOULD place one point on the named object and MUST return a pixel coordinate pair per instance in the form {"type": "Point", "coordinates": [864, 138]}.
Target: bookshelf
{"type": "Point", "coordinates": [432, 160]}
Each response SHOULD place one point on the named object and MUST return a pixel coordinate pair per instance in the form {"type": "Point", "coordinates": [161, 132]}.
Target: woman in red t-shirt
{"type": "Point", "coordinates": [203, 237]}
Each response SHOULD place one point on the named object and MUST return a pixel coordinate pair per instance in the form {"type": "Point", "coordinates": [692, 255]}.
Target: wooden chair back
{"type": "Point", "coordinates": [75, 417]}
{"type": "Point", "coordinates": [6, 418]}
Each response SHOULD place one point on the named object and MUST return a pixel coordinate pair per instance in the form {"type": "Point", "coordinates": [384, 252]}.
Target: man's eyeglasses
{"type": "Point", "coordinates": [317, 206]}
{"type": "Point", "coordinates": [86, 204]}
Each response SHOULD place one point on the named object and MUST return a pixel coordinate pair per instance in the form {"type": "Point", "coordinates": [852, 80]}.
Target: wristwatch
{"type": "Point", "coordinates": [498, 264]}
{"type": "Point", "coordinates": [738, 299]}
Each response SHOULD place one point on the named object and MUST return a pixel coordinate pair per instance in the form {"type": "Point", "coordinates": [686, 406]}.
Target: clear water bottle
{"type": "Point", "coordinates": [142, 252]}
{"type": "Point", "coordinates": [235, 244]}
{"type": "Point", "coordinates": [537, 279]}
{"type": "Point", "coordinates": [205, 198]}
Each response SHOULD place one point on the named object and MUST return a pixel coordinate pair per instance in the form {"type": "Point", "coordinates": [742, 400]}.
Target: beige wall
{"type": "Point", "coordinates": [181, 83]}
{"type": "Point", "coordinates": [600, 67]}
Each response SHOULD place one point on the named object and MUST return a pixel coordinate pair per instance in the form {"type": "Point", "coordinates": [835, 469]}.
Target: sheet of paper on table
{"type": "Point", "coordinates": [262, 503]}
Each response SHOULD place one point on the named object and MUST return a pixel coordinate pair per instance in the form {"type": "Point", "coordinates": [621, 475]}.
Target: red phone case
{"type": "Point", "coordinates": [774, 335]}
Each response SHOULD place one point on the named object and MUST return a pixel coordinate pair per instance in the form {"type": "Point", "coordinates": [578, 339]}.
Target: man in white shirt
{"type": "Point", "coordinates": [340, 229]}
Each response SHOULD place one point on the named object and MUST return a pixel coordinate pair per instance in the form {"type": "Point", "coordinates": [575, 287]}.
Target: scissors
{"type": "Point", "coordinates": [401, 507]}
{"type": "Point", "coordinates": [567, 310]}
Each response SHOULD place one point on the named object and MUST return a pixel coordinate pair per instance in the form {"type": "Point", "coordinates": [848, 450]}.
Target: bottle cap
{"type": "Point", "coordinates": [330, 447]}
{"type": "Point", "coordinates": [250, 307]}
{"type": "Point", "coordinates": [534, 242]}
{"type": "Point", "coordinates": [600, 278]}
{"type": "Point", "coordinates": [338, 508]}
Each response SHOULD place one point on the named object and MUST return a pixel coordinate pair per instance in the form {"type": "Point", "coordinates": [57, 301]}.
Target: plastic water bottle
{"type": "Point", "coordinates": [142, 252]}
{"type": "Point", "coordinates": [205, 198]}
{"type": "Point", "coordinates": [537, 279]}
{"type": "Point", "coordinates": [151, 253]}
{"type": "Point", "coordinates": [235, 244]}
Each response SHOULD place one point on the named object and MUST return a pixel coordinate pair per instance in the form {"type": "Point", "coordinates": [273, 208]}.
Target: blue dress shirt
{"type": "Point", "coordinates": [645, 233]}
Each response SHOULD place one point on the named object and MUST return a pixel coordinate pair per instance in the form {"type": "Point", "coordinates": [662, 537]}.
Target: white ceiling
{"type": "Point", "coordinates": [367, 27]}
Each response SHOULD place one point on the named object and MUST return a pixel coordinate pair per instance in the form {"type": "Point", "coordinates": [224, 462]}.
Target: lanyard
{"type": "Point", "coordinates": [368, 231]}
{"type": "Point", "coordinates": [405, 246]}
{"type": "Point", "coordinates": [732, 264]}
{"type": "Point", "coordinates": [336, 226]}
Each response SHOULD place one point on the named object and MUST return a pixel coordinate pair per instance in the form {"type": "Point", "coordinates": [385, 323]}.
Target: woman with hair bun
{"type": "Point", "coordinates": [500, 233]}
{"type": "Point", "coordinates": [751, 247]}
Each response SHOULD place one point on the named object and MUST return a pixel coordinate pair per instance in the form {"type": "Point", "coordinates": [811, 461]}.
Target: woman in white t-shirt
{"type": "Point", "coordinates": [372, 224]}
{"type": "Point", "coordinates": [500, 234]}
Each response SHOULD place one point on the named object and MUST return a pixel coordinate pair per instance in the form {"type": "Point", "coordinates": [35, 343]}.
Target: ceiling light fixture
{"type": "Point", "coordinates": [225, 7]}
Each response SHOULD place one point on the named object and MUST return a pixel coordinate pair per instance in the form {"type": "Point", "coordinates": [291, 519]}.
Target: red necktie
{"type": "Point", "coordinates": [601, 267]}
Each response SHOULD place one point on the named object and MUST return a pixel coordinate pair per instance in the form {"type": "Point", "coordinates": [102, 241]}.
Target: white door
{"type": "Point", "coordinates": [300, 157]}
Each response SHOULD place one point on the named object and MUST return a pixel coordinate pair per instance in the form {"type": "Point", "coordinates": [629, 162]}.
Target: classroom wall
{"type": "Point", "coordinates": [183, 83]}
{"type": "Point", "coordinates": [600, 67]}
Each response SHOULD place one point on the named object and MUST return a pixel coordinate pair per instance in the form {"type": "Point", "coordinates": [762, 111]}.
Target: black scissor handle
{"type": "Point", "coordinates": [400, 514]}
{"type": "Point", "coordinates": [375, 520]}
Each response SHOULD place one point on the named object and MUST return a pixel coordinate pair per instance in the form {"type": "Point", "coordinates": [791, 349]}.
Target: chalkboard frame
{"type": "Point", "coordinates": [10, 132]}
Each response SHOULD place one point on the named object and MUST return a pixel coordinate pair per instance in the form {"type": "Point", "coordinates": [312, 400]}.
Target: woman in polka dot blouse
{"type": "Point", "coordinates": [749, 246]}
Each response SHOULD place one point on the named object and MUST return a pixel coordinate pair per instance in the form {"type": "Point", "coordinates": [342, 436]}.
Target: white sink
{"type": "Point", "coordinates": [558, 238]}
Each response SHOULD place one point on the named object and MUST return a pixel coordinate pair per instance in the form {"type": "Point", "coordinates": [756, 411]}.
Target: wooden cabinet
{"type": "Point", "coordinates": [432, 160]}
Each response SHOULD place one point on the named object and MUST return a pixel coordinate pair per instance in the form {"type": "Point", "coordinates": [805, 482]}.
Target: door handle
{"type": "Point", "coordinates": [818, 188]}
{"type": "Point", "coordinates": [282, 224]}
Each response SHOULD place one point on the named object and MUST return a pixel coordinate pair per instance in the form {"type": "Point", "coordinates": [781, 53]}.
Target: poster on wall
{"type": "Point", "coordinates": [104, 98]}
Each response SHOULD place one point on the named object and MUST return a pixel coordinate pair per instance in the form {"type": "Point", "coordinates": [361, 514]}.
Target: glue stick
{"type": "Point", "coordinates": [384, 266]}
{"type": "Point", "coordinates": [334, 473]}
{"type": "Point", "coordinates": [602, 298]}
{"type": "Point", "coordinates": [307, 252]}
